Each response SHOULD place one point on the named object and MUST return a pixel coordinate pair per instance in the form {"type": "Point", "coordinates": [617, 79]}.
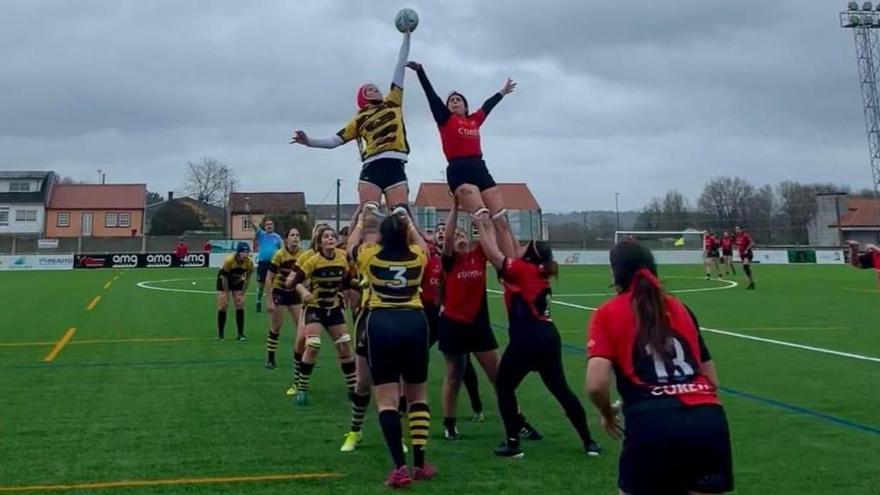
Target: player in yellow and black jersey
{"type": "Point", "coordinates": [234, 277]}
{"type": "Point", "coordinates": [281, 298]}
{"type": "Point", "coordinates": [397, 332]}
{"type": "Point", "coordinates": [381, 135]}
{"type": "Point", "coordinates": [325, 274]}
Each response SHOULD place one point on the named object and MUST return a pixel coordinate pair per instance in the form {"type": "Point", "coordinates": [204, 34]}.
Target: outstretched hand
{"type": "Point", "coordinates": [299, 137]}
{"type": "Point", "coordinates": [414, 65]}
{"type": "Point", "coordinates": [508, 88]}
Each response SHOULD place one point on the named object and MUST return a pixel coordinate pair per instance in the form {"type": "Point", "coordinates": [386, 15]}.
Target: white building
{"type": "Point", "coordinates": [23, 198]}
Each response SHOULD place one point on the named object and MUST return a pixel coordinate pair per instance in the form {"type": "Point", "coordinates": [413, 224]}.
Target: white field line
{"type": "Point", "coordinates": [744, 336]}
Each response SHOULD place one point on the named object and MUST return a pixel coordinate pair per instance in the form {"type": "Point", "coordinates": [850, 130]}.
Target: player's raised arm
{"type": "Point", "coordinates": [489, 104]}
{"type": "Point", "coordinates": [438, 109]}
{"type": "Point", "coordinates": [300, 137]}
{"type": "Point", "coordinates": [400, 67]}
{"type": "Point", "coordinates": [451, 223]}
{"type": "Point", "coordinates": [356, 235]}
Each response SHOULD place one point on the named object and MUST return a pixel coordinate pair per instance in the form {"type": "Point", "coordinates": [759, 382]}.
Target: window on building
{"type": "Point", "coordinates": [25, 215]}
{"type": "Point", "coordinates": [125, 219]}
{"type": "Point", "coordinates": [64, 219]}
{"type": "Point", "coordinates": [111, 220]}
{"type": "Point", "coordinates": [19, 187]}
{"type": "Point", "coordinates": [4, 217]}
{"type": "Point", "coordinates": [246, 223]}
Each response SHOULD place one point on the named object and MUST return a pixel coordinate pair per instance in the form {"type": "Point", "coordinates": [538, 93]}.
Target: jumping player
{"type": "Point", "coordinates": [397, 340]}
{"type": "Point", "coordinates": [381, 136]}
{"type": "Point", "coordinates": [466, 173]}
{"type": "Point", "coordinates": [710, 253]}
{"type": "Point", "coordinates": [326, 275]}
{"type": "Point", "coordinates": [282, 299]}
{"type": "Point", "coordinates": [727, 253]}
{"type": "Point", "coordinates": [535, 344]}
{"type": "Point", "coordinates": [744, 245]}
{"type": "Point", "coordinates": [868, 259]}
{"type": "Point", "coordinates": [234, 277]}
{"type": "Point", "coordinates": [676, 438]}
{"type": "Point", "coordinates": [268, 243]}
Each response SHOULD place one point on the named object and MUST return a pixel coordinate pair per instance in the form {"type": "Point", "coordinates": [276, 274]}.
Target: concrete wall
{"type": "Point", "coordinates": [828, 209]}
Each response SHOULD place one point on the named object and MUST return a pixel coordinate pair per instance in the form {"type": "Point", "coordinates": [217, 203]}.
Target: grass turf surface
{"type": "Point", "coordinates": [197, 408]}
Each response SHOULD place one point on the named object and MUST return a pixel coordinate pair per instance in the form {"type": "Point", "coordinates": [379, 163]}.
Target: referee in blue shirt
{"type": "Point", "coordinates": [268, 242]}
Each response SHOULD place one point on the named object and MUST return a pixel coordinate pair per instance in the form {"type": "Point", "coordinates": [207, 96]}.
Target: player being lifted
{"type": "Point", "coordinates": [268, 243]}
{"type": "Point", "coordinates": [710, 254]}
{"type": "Point", "coordinates": [744, 245]}
{"type": "Point", "coordinates": [381, 136]}
{"type": "Point", "coordinates": [281, 299]}
{"type": "Point", "coordinates": [233, 278]}
{"type": "Point", "coordinates": [326, 274]}
{"type": "Point", "coordinates": [466, 173]}
{"type": "Point", "coordinates": [727, 253]}
{"type": "Point", "coordinates": [864, 260]}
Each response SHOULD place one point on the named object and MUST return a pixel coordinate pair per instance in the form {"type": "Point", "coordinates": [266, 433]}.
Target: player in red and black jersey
{"type": "Point", "coordinates": [727, 253]}
{"type": "Point", "coordinates": [466, 173]}
{"type": "Point", "coordinates": [744, 245]}
{"type": "Point", "coordinates": [676, 438]}
{"type": "Point", "coordinates": [710, 253]}
{"type": "Point", "coordinates": [534, 343]}
{"type": "Point", "coordinates": [865, 260]}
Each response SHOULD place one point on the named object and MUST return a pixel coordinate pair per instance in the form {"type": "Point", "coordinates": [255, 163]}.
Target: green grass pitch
{"type": "Point", "coordinates": [120, 402]}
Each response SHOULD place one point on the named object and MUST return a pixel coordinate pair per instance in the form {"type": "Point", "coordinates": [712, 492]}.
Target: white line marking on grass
{"type": "Point", "coordinates": [744, 336]}
{"type": "Point", "coordinates": [147, 284]}
{"type": "Point", "coordinates": [728, 284]}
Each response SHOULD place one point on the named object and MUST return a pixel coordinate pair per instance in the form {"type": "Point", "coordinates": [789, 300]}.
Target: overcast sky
{"type": "Point", "coordinates": [665, 94]}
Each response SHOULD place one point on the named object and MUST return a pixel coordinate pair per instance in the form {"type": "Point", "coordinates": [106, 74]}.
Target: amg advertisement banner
{"type": "Point", "coordinates": [134, 260]}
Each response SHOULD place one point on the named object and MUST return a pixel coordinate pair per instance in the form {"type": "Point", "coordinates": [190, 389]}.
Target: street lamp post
{"type": "Point", "coordinates": [617, 208]}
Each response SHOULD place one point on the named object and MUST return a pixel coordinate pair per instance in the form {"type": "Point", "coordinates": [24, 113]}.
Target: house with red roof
{"type": "Point", "coordinates": [840, 218]}
{"type": "Point", "coordinates": [96, 210]}
{"type": "Point", "coordinates": [433, 202]}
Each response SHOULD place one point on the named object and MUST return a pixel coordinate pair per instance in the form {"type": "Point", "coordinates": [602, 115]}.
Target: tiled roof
{"type": "Point", "coordinates": [98, 197]}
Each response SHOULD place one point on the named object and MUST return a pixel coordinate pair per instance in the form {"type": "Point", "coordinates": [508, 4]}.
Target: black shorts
{"type": "Point", "coordinates": [397, 345]}
{"type": "Point", "coordinates": [676, 451]}
{"type": "Point", "coordinates": [748, 255]}
{"type": "Point", "coordinates": [463, 338]}
{"type": "Point", "coordinates": [326, 317]}
{"type": "Point", "coordinates": [283, 297]}
{"type": "Point", "coordinates": [712, 254]}
{"type": "Point", "coordinates": [360, 332]}
{"type": "Point", "coordinates": [384, 173]}
{"type": "Point", "coordinates": [233, 287]}
{"type": "Point", "coordinates": [262, 270]}
{"type": "Point", "coordinates": [433, 314]}
{"type": "Point", "coordinates": [469, 171]}
{"type": "Point", "coordinates": [727, 254]}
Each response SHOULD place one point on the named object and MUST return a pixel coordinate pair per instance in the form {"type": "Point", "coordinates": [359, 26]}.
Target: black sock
{"type": "Point", "coordinates": [449, 423]}
{"type": "Point", "coordinates": [419, 425]}
{"type": "Point", "coordinates": [297, 362]}
{"type": "Point", "coordinates": [401, 406]}
{"type": "Point", "coordinates": [748, 270]}
{"type": "Point", "coordinates": [305, 375]}
{"type": "Point", "coordinates": [389, 419]}
{"type": "Point", "coordinates": [221, 323]}
{"type": "Point", "coordinates": [349, 371]}
{"type": "Point", "coordinates": [271, 346]}
{"type": "Point", "coordinates": [359, 405]}
{"type": "Point", "coordinates": [239, 320]}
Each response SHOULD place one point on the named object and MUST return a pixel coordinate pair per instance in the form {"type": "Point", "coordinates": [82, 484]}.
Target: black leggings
{"type": "Point", "coordinates": [536, 349]}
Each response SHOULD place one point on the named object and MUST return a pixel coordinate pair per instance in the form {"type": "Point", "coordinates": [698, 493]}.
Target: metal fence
{"type": "Point", "coordinates": [152, 244]}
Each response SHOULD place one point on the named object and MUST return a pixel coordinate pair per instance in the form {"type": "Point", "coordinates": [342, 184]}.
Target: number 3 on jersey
{"type": "Point", "coordinates": [399, 273]}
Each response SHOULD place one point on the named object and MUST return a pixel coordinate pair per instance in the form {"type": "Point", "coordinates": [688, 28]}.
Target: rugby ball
{"type": "Point", "coordinates": [406, 19]}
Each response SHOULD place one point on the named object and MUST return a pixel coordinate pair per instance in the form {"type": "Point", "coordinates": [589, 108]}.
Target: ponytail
{"type": "Point", "coordinates": [649, 305]}
{"type": "Point", "coordinates": [549, 269]}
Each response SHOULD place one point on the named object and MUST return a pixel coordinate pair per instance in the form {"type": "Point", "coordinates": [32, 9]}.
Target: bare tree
{"type": "Point", "coordinates": [675, 211]}
{"type": "Point", "coordinates": [726, 200]}
{"type": "Point", "coordinates": [797, 205]}
{"type": "Point", "coordinates": [209, 180]}
{"type": "Point", "coordinates": [651, 216]}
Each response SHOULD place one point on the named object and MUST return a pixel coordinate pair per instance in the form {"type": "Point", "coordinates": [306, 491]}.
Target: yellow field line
{"type": "Point", "coordinates": [94, 303]}
{"type": "Point", "coordinates": [179, 481]}
{"type": "Point", "coordinates": [116, 278]}
{"type": "Point", "coordinates": [60, 345]}
{"type": "Point", "coordinates": [107, 285]}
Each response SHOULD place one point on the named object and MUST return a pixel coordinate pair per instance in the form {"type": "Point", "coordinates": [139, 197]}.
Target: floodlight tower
{"type": "Point", "coordinates": [864, 22]}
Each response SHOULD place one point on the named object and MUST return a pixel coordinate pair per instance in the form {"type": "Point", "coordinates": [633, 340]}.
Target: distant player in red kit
{"type": "Point", "coordinates": [727, 253]}
{"type": "Point", "coordinates": [710, 253]}
{"type": "Point", "coordinates": [677, 439]}
{"type": "Point", "coordinates": [868, 259]}
{"type": "Point", "coordinates": [744, 245]}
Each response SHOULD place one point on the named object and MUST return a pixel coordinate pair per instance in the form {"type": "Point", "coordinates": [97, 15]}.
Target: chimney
{"type": "Point", "coordinates": [170, 195]}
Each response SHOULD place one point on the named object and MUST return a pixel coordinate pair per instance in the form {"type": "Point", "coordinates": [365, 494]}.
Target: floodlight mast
{"type": "Point", "coordinates": [864, 23]}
